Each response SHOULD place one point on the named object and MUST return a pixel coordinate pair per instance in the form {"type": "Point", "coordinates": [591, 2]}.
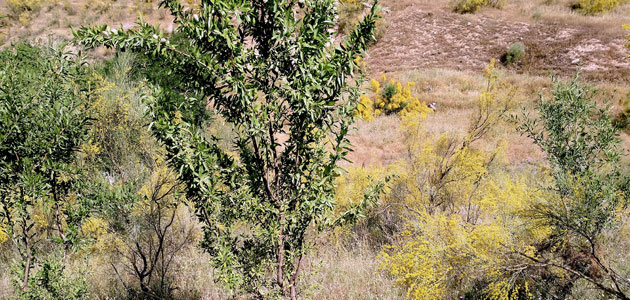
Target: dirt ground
{"type": "Point", "coordinates": [421, 35]}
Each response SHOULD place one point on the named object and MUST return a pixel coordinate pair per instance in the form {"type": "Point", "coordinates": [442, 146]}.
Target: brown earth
{"type": "Point", "coordinates": [426, 36]}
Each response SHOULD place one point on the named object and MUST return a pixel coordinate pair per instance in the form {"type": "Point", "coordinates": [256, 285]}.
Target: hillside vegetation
{"type": "Point", "coordinates": [317, 149]}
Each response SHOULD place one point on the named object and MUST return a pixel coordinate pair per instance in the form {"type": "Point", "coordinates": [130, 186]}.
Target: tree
{"type": "Point", "coordinates": [41, 127]}
{"type": "Point", "coordinates": [587, 192]}
{"type": "Point", "coordinates": [268, 68]}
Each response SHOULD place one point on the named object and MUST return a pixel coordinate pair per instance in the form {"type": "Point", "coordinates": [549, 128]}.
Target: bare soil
{"type": "Point", "coordinates": [426, 36]}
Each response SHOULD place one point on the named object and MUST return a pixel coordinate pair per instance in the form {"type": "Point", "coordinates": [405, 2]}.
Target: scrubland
{"type": "Point", "coordinates": [478, 201]}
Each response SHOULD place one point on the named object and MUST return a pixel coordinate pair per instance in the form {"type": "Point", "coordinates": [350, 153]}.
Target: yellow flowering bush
{"type": "Point", "coordinates": [94, 228]}
{"type": "Point", "coordinates": [471, 6]}
{"type": "Point", "coordinates": [118, 138]}
{"type": "Point", "coordinates": [23, 10]}
{"type": "Point", "coordinates": [390, 97]}
{"type": "Point", "coordinates": [4, 236]}
{"type": "Point", "coordinates": [16, 7]}
{"type": "Point", "coordinates": [464, 221]}
{"type": "Point", "coordinates": [349, 188]}
{"type": "Point", "coordinates": [595, 7]}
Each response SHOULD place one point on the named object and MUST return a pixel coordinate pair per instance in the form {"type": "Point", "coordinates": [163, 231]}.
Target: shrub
{"type": "Point", "coordinates": [390, 97]}
{"type": "Point", "coordinates": [471, 6]}
{"type": "Point", "coordinates": [622, 120]}
{"type": "Point", "coordinates": [119, 142]}
{"type": "Point", "coordinates": [595, 7]}
{"type": "Point", "coordinates": [52, 281]}
{"type": "Point", "coordinates": [514, 53]}
{"type": "Point", "coordinates": [587, 195]}
{"type": "Point", "coordinates": [23, 10]}
{"type": "Point", "coordinates": [349, 15]}
{"type": "Point", "coordinates": [158, 228]}
{"type": "Point", "coordinates": [537, 14]}
{"type": "Point", "coordinates": [466, 6]}
{"type": "Point", "coordinates": [379, 225]}
{"type": "Point", "coordinates": [462, 211]}
{"type": "Point", "coordinates": [15, 7]}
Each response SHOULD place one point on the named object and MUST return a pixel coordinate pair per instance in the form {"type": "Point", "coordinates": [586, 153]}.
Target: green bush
{"type": "Point", "coordinates": [514, 53]}
{"type": "Point", "coordinates": [42, 124]}
{"type": "Point", "coordinates": [52, 282]}
{"type": "Point", "coordinates": [622, 120]}
{"type": "Point", "coordinates": [589, 191]}
{"type": "Point", "coordinates": [262, 206]}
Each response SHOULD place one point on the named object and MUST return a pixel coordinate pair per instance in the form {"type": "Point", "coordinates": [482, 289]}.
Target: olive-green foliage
{"type": "Point", "coordinates": [288, 97]}
{"type": "Point", "coordinates": [53, 282]}
{"type": "Point", "coordinates": [514, 53]}
{"type": "Point", "coordinates": [588, 193]}
{"type": "Point", "coordinates": [136, 208]}
{"type": "Point", "coordinates": [41, 126]}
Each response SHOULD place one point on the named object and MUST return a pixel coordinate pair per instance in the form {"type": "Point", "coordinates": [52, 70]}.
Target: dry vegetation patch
{"type": "Point", "coordinates": [382, 142]}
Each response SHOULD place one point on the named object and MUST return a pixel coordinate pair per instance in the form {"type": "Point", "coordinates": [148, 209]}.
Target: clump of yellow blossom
{"type": "Point", "coordinates": [3, 235]}
{"type": "Point", "coordinates": [389, 97]}
{"type": "Point", "coordinates": [94, 227]}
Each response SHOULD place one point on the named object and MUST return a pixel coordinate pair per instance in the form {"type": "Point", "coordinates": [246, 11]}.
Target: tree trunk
{"type": "Point", "coordinates": [27, 267]}
{"type": "Point", "coordinates": [279, 274]}
{"type": "Point", "coordinates": [293, 293]}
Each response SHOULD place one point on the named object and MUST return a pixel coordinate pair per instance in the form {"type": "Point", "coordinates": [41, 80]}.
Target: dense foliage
{"type": "Point", "coordinates": [42, 125]}
{"type": "Point", "coordinates": [207, 161]}
{"type": "Point", "coordinates": [269, 69]}
{"type": "Point", "coordinates": [588, 193]}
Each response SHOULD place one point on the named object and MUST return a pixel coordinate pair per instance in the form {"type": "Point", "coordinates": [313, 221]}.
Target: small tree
{"type": "Point", "coordinates": [588, 190]}
{"type": "Point", "coordinates": [269, 69]}
{"type": "Point", "coordinates": [41, 126]}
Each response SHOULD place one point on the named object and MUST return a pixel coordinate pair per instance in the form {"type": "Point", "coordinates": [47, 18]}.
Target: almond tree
{"type": "Point", "coordinates": [41, 127]}
{"type": "Point", "coordinates": [273, 70]}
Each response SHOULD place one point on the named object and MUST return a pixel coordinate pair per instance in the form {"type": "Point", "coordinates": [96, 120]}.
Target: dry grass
{"type": "Point", "coordinates": [382, 142]}
{"type": "Point", "coordinates": [56, 19]}
{"type": "Point", "coordinates": [5, 283]}
{"type": "Point", "coordinates": [377, 142]}
{"type": "Point", "coordinates": [560, 11]}
{"type": "Point", "coordinates": [331, 271]}
{"type": "Point", "coordinates": [336, 272]}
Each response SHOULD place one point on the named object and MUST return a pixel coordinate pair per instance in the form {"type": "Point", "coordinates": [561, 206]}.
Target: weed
{"type": "Point", "coordinates": [514, 53]}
